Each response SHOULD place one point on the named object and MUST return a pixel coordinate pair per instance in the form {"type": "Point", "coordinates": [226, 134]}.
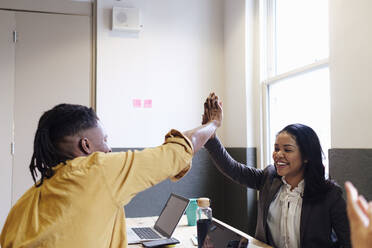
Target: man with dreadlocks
{"type": "Point", "coordinates": [78, 199]}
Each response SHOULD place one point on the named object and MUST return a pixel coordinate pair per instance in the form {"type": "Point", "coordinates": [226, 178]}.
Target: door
{"type": "Point", "coordinates": [53, 65]}
{"type": "Point", "coordinates": [7, 55]}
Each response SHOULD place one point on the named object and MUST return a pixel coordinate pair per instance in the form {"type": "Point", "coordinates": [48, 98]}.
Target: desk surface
{"type": "Point", "coordinates": [184, 232]}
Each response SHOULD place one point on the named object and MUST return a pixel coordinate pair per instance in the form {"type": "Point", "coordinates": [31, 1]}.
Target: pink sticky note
{"type": "Point", "coordinates": [136, 103]}
{"type": "Point", "coordinates": [147, 103]}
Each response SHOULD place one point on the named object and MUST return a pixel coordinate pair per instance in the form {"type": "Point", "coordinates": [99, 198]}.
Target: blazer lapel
{"type": "Point", "coordinates": [275, 186]}
{"type": "Point", "coordinates": [305, 213]}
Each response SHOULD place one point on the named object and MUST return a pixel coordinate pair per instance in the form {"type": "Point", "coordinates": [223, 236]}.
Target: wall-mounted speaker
{"type": "Point", "coordinates": [126, 19]}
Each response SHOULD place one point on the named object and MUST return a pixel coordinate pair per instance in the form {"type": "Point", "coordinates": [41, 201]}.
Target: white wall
{"type": "Point", "coordinates": [350, 72]}
{"type": "Point", "coordinates": [242, 91]}
{"type": "Point", "coordinates": [235, 104]}
{"type": "Point", "coordinates": [175, 61]}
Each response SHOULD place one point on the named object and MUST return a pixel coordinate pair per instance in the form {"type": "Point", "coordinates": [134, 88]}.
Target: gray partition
{"type": "Point", "coordinates": [241, 202]}
{"type": "Point", "coordinates": [354, 165]}
{"type": "Point", "coordinates": [230, 202]}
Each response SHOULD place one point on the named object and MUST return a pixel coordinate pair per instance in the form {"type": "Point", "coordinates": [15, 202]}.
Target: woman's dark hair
{"type": "Point", "coordinates": [311, 151]}
{"type": "Point", "coordinates": [55, 124]}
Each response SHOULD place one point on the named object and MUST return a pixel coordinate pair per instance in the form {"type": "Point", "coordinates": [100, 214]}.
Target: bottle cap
{"type": "Point", "coordinates": [203, 202]}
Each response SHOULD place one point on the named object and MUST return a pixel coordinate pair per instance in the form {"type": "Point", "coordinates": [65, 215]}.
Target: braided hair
{"type": "Point", "coordinates": [55, 124]}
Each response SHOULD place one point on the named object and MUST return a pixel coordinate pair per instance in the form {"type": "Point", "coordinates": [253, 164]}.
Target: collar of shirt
{"type": "Point", "coordinates": [297, 191]}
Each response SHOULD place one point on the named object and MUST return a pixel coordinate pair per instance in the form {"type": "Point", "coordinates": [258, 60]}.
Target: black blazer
{"type": "Point", "coordinates": [318, 220]}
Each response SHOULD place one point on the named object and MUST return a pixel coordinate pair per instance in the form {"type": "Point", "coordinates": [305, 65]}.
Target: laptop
{"type": "Point", "coordinates": [221, 235]}
{"type": "Point", "coordinates": [164, 225]}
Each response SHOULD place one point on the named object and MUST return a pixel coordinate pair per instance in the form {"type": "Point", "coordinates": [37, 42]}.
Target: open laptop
{"type": "Point", "coordinates": [164, 225]}
{"type": "Point", "coordinates": [221, 235]}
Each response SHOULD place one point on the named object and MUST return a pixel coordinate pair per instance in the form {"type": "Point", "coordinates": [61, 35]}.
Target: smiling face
{"type": "Point", "coordinates": [287, 159]}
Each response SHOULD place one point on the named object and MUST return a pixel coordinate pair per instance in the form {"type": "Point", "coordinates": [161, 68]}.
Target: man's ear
{"type": "Point", "coordinates": [85, 146]}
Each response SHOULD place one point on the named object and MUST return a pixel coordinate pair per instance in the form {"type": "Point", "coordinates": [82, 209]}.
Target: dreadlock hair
{"type": "Point", "coordinates": [316, 184]}
{"type": "Point", "coordinates": [55, 124]}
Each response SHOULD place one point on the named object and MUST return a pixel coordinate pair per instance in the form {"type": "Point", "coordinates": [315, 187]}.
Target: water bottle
{"type": "Point", "coordinates": [204, 219]}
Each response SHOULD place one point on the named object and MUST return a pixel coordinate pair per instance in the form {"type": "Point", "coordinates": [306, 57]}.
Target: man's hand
{"type": "Point", "coordinates": [360, 217]}
{"type": "Point", "coordinates": [212, 110]}
{"type": "Point", "coordinates": [212, 119]}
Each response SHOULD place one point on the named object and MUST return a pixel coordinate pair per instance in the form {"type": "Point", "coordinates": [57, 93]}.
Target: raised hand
{"type": "Point", "coordinates": [360, 216]}
{"type": "Point", "coordinates": [212, 110]}
{"type": "Point", "coordinates": [212, 119]}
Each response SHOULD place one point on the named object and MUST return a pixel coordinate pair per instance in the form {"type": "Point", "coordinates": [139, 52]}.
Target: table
{"type": "Point", "coordinates": [184, 232]}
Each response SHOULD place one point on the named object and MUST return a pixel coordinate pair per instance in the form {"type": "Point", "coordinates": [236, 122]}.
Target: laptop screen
{"type": "Point", "coordinates": [171, 214]}
{"type": "Point", "coordinates": [219, 236]}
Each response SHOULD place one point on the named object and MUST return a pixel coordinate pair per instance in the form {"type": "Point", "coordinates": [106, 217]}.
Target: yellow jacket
{"type": "Point", "coordinates": [82, 205]}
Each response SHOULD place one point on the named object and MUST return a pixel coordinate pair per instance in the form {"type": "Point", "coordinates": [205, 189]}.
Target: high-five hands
{"type": "Point", "coordinates": [212, 119]}
{"type": "Point", "coordinates": [212, 110]}
{"type": "Point", "coordinates": [360, 217]}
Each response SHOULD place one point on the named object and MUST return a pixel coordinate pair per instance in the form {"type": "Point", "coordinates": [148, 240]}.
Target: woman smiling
{"type": "Point", "coordinates": [297, 206]}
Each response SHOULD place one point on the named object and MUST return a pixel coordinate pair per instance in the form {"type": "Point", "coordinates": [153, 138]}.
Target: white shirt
{"type": "Point", "coordinates": [285, 215]}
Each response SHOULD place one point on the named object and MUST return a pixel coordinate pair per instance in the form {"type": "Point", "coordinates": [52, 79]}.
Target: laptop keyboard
{"type": "Point", "coordinates": [146, 233]}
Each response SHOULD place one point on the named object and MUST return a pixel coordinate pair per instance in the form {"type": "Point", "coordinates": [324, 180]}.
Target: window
{"type": "Point", "coordinates": [295, 70]}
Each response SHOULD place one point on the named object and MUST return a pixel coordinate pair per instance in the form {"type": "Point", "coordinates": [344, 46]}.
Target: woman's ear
{"type": "Point", "coordinates": [85, 146]}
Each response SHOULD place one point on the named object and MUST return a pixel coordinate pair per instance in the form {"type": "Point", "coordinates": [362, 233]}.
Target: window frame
{"type": "Point", "coordinates": [268, 75]}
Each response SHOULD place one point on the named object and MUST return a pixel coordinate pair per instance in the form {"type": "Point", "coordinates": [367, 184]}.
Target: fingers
{"type": "Point", "coordinates": [210, 99]}
{"type": "Point", "coordinates": [207, 101]}
{"type": "Point", "coordinates": [362, 203]}
{"type": "Point", "coordinates": [207, 113]}
{"type": "Point", "coordinates": [204, 119]}
{"type": "Point", "coordinates": [216, 104]}
{"type": "Point", "coordinates": [369, 214]}
{"type": "Point", "coordinates": [212, 103]}
{"type": "Point", "coordinates": [351, 192]}
{"type": "Point", "coordinates": [220, 105]}
{"type": "Point", "coordinates": [356, 215]}
{"type": "Point", "coordinates": [205, 105]}
{"type": "Point", "coordinates": [352, 195]}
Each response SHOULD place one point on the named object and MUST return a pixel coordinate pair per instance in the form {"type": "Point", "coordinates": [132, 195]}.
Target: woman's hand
{"type": "Point", "coordinates": [212, 110]}
{"type": "Point", "coordinates": [360, 216]}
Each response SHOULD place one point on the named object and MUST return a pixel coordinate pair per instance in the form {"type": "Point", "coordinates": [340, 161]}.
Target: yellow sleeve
{"type": "Point", "coordinates": [128, 173]}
